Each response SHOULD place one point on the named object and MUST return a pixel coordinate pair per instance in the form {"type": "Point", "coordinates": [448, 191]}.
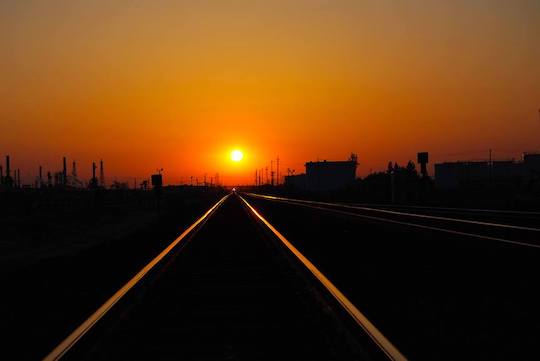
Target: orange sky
{"type": "Point", "coordinates": [178, 84]}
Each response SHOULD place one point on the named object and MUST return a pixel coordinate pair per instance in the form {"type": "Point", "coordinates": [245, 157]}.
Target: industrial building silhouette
{"type": "Point", "coordinates": [325, 175]}
{"type": "Point", "coordinates": [449, 175]}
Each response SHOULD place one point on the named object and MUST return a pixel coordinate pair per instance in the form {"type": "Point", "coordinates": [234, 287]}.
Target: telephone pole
{"type": "Point", "coordinates": [277, 173]}
{"type": "Point", "coordinates": [272, 172]}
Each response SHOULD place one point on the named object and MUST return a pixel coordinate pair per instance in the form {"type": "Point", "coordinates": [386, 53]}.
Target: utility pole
{"type": "Point", "coordinates": [272, 172]}
{"type": "Point", "coordinates": [277, 173]}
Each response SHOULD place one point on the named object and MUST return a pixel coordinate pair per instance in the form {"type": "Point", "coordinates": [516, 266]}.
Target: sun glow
{"type": "Point", "coordinates": [237, 155]}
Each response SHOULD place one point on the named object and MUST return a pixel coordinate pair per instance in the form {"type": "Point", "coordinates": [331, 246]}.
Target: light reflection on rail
{"type": "Point", "coordinates": [331, 207]}
{"type": "Point", "coordinates": [384, 344]}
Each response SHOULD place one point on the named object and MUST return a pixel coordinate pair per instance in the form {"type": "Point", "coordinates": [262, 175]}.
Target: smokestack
{"type": "Point", "coordinates": [93, 180]}
{"type": "Point", "coordinates": [74, 170]}
{"type": "Point", "coordinates": [101, 174]}
{"type": "Point", "coordinates": [40, 181]}
{"type": "Point", "coordinates": [64, 172]}
{"type": "Point", "coordinates": [1, 173]}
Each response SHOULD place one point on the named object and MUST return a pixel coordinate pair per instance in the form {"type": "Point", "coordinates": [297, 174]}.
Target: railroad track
{"type": "Point", "coordinates": [450, 289]}
{"type": "Point", "coordinates": [231, 286]}
{"type": "Point", "coordinates": [461, 224]}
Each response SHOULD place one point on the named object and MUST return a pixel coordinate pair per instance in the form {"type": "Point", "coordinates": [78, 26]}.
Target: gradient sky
{"type": "Point", "coordinates": [178, 84]}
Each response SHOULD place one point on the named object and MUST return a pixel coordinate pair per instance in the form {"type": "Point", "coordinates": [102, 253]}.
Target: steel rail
{"type": "Point", "coordinates": [448, 209]}
{"type": "Point", "coordinates": [416, 215]}
{"type": "Point", "coordinates": [416, 225]}
{"type": "Point", "coordinates": [382, 342]}
{"type": "Point", "coordinates": [80, 331]}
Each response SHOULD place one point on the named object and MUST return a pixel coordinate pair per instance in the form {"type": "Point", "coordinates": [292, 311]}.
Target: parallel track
{"type": "Point", "coordinates": [414, 220]}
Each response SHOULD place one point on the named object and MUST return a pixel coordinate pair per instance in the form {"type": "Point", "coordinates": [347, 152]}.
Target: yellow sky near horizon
{"type": "Point", "coordinates": [178, 84]}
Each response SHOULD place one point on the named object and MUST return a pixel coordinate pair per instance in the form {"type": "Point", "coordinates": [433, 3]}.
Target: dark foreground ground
{"type": "Point", "coordinates": [226, 295]}
{"type": "Point", "coordinates": [64, 253]}
{"type": "Point", "coordinates": [436, 296]}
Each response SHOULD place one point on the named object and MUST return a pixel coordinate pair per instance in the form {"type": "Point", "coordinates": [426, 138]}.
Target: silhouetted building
{"type": "Point", "coordinates": [459, 174]}
{"type": "Point", "coordinates": [325, 175]}
{"type": "Point", "coordinates": [297, 181]}
{"type": "Point", "coordinates": [531, 166]}
{"type": "Point", "coordinates": [506, 171]}
{"type": "Point", "coordinates": [464, 174]}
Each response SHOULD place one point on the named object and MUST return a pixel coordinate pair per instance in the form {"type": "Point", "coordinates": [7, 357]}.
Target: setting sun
{"type": "Point", "coordinates": [237, 155]}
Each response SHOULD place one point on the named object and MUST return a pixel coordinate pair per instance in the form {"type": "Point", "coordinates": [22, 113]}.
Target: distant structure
{"type": "Point", "coordinates": [64, 172]}
{"type": "Point", "coordinates": [101, 174]}
{"type": "Point", "coordinates": [7, 180]}
{"type": "Point", "coordinates": [451, 175]}
{"type": "Point", "coordinates": [325, 175]}
{"type": "Point", "coordinates": [74, 170]}
{"type": "Point", "coordinates": [297, 181]}
{"type": "Point", "coordinates": [93, 181]}
{"type": "Point", "coordinates": [277, 170]}
{"type": "Point", "coordinates": [423, 158]}
{"type": "Point", "coordinates": [272, 172]}
{"type": "Point", "coordinates": [40, 177]}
